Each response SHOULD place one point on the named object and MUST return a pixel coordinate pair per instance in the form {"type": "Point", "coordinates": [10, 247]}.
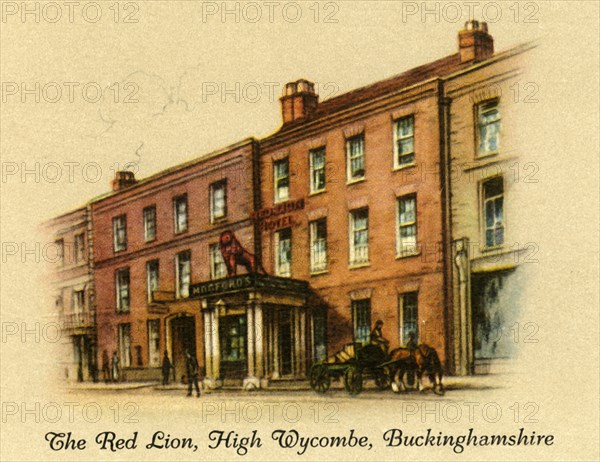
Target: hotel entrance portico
{"type": "Point", "coordinates": [255, 329]}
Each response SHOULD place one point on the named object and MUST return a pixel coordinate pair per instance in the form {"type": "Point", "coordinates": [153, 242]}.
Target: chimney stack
{"type": "Point", "coordinates": [299, 101]}
{"type": "Point", "coordinates": [123, 179]}
{"type": "Point", "coordinates": [474, 42]}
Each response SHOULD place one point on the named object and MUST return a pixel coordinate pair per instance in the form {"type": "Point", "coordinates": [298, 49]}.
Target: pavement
{"type": "Point", "coordinates": [474, 382]}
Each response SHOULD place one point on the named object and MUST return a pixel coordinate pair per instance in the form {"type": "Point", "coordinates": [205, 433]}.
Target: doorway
{"type": "Point", "coordinates": [183, 338]}
{"type": "Point", "coordinates": [232, 338]}
{"type": "Point", "coordinates": [285, 340]}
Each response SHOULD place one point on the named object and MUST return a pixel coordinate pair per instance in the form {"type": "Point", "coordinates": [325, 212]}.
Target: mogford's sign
{"type": "Point", "coordinates": [247, 281]}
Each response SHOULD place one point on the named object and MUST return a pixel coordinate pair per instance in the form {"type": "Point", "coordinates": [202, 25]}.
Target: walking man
{"type": "Point", "coordinates": [192, 373]}
{"type": "Point", "coordinates": [166, 369]}
{"type": "Point", "coordinates": [105, 367]}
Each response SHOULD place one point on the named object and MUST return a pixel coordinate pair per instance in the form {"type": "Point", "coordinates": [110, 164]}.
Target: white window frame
{"type": "Point", "coordinates": [502, 222]}
{"type": "Point", "coordinates": [60, 251]}
{"type": "Point", "coordinates": [283, 269]}
{"type": "Point", "coordinates": [218, 270]}
{"type": "Point", "coordinates": [356, 257]}
{"type": "Point", "coordinates": [148, 236]}
{"type": "Point", "coordinates": [119, 233]}
{"type": "Point", "coordinates": [318, 256]}
{"type": "Point", "coordinates": [404, 246]}
{"type": "Point", "coordinates": [399, 139]}
{"type": "Point", "coordinates": [314, 169]}
{"type": "Point", "coordinates": [350, 157]}
{"type": "Point", "coordinates": [355, 305]}
{"type": "Point", "coordinates": [218, 185]}
{"type": "Point", "coordinates": [153, 327]}
{"type": "Point", "coordinates": [486, 107]}
{"type": "Point", "coordinates": [125, 344]}
{"type": "Point", "coordinates": [152, 284]}
{"type": "Point", "coordinates": [181, 226]}
{"type": "Point", "coordinates": [401, 304]}
{"type": "Point", "coordinates": [183, 286]}
{"type": "Point", "coordinates": [78, 301]}
{"type": "Point", "coordinates": [79, 247]}
{"type": "Point", "coordinates": [278, 178]}
{"type": "Point", "coordinates": [122, 287]}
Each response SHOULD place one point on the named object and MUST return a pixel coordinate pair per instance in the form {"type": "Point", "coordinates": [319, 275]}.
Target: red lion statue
{"type": "Point", "coordinates": [234, 254]}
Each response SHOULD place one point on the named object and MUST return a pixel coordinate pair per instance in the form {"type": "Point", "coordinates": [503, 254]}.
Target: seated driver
{"type": "Point", "coordinates": [377, 336]}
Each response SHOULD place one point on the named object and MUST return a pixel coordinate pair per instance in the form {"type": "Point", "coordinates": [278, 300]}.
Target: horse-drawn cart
{"type": "Point", "coordinates": [354, 363]}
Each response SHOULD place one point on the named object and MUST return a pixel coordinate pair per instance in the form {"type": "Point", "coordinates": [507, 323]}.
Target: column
{"type": "Point", "coordinates": [216, 349]}
{"type": "Point", "coordinates": [260, 339]}
{"type": "Point", "coordinates": [296, 325]}
{"type": "Point", "coordinates": [276, 343]}
{"type": "Point", "coordinates": [462, 314]}
{"type": "Point", "coordinates": [251, 338]}
{"type": "Point", "coordinates": [208, 358]}
{"type": "Point", "coordinates": [302, 352]}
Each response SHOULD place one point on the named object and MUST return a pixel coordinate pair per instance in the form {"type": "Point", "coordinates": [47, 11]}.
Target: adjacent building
{"type": "Point", "coordinates": [488, 176]}
{"type": "Point", "coordinates": [271, 254]}
{"type": "Point", "coordinates": [72, 283]}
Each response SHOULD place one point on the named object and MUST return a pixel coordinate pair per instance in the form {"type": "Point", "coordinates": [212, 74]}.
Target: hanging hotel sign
{"type": "Point", "coordinates": [271, 218]}
{"type": "Point", "coordinates": [247, 281]}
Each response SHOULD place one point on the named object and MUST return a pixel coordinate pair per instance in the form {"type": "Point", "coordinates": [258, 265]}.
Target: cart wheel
{"type": "Point", "coordinates": [382, 378]}
{"type": "Point", "coordinates": [353, 380]}
{"type": "Point", "coordinates": [320, 380]}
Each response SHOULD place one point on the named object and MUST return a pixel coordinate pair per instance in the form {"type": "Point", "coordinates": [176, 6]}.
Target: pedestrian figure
{"type": "Point", "coordinates": [166, 369]}
{"type": "Point", "coordinates": [115, 367]}
{"type": "Point", "coordinates": [192, 373]}
{"type": "Point", "coordinates": [105, 367]}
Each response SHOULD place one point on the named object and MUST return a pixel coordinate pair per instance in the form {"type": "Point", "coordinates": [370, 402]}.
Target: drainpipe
{"type": "Point", "coordinates": [446, 196]}
{"type": "Point", "coordinates": [257, 201]}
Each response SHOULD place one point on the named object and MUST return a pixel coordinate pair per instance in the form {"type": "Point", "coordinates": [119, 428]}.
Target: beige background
{"type": "Point", "coordinates": [169, 54]}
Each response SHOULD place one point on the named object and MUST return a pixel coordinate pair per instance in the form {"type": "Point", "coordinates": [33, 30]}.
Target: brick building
{"type": "Point", "coordinates": [154, 238]}
{"type": "Point", "coordinates": [351, 209]}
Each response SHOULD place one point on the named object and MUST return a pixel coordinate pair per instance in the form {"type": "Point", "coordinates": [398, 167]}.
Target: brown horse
{"type": "Point", "coordinates": [421, 360]}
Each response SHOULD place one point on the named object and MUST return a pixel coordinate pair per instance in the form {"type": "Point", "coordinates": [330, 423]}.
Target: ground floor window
{"type": "Point", "coordinates": [125, 345]}
{"type": "Point", "coordinates": [409, 317]}
{"type": "Point", "coordinates": [320, 334]}
{"type": "Point", "coordinates": [361, 313]}
{"type": "Point", "coordinates": [233, 338]}
{"type": "Point", "coordinates": [154, 342]}
{"type": "Point", "coordinates": [495, 305]}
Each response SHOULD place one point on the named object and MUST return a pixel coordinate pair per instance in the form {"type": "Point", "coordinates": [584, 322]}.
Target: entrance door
{"type": "Point", "coordinates": [78, 352]}
{"type": "Point", "coordinates": [232, 338]}
{"type": "Point", "coordinates": [183, 337]}
{"type": "Point", "coordinates": [286, 343]}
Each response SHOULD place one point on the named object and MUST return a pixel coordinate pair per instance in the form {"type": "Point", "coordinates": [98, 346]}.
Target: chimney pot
{"type": "Point", "coordinates": [123, 179]}
{"type": "Point", "coordinates": [299, 101]}
{"type": "Point", "coordinates": [474, 42]}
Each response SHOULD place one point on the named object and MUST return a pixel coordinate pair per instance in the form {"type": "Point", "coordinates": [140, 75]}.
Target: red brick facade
{"type": "Point", "coordinates": [192, 180]}
{"type": "Point", "coordinates": [350, 202]}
